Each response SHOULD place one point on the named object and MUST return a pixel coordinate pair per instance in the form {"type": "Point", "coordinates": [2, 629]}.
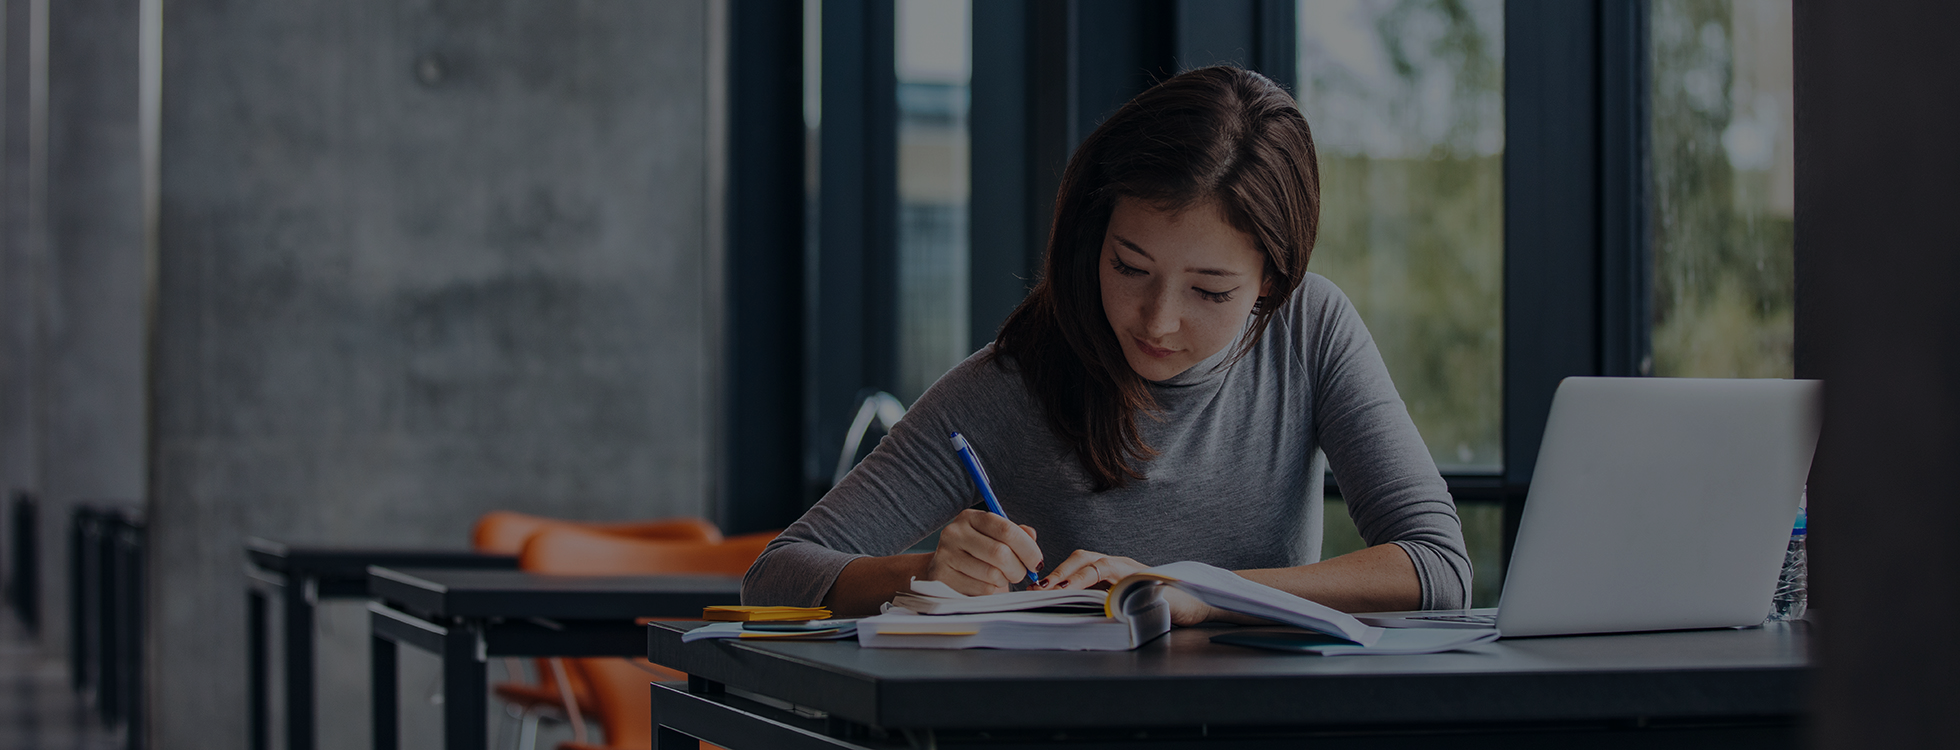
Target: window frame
{"type": "Point", "coordinates": [1576, 195]}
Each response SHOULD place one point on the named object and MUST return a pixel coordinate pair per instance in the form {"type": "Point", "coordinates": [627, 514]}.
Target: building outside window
{"type": "Point", "coordinates": [934, 72]}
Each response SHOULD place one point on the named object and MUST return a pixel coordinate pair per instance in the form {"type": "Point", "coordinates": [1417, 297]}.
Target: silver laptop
{"type": "Point", "coordinates": [1656, 504]}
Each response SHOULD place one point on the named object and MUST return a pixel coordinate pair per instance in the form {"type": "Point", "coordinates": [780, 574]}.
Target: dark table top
{"type": "Point", "coordinates": [450, 592]}
{"type": "Point", "coordinates": [353, 562]}
{"type": "Point", "coordinates": [1183, 679]}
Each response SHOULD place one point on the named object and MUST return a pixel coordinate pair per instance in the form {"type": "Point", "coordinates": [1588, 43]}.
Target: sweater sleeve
{"type": "Point", "coordinates": [1392, 488]}
{"type": "Point", "coordinates": [909, 486]}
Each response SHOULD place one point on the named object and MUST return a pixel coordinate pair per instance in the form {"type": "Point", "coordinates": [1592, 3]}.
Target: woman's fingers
{"type": "Point", "coordinates": [1084, 569]}
{"type": "Point", "coordinates": [972, 576]}
{"type": "Point", "coordinates": [1022, 554]}
{"type": "Point", "coordinates": [1067, 574]}
{"type": "Point", "coordinates": [981, 553]}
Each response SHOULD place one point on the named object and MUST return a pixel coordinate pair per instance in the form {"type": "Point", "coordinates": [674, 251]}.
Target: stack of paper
{"type": "Point", "coordinates": [935, 598]}
{"type": "Point", "coordinates": [742, 613]}
{"type": "Point", "coordinates": [1009, 630]}
{"type": "Point", "coordinates": [1051, 620]}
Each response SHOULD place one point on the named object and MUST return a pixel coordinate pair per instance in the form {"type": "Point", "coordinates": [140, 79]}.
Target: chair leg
{"type": "Point", "coordinates": [511, 715]}
{"type": "Point", "coordinates": [527, 737]}
{"type": "Point", "coordinates": [571, 703]}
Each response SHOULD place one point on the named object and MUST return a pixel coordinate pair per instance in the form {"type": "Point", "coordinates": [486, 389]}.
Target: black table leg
{"type": "Point", "coordinates": [300, 593]}
{"type": "Point", "coordinates": [108, 659]}
{"type": "Point", "coordinates": [465, 683]}
{"type": "Point", "coordinates": [665, 738]}
{"type": "Point", "coordinates": [77, 601]}
{"type": "Point", "coordinates": [384, 680]}
{"type": "Point", "coordinates": [256, 666]}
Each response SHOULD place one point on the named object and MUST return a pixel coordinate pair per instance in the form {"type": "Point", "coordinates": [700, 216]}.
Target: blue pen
{"type": "Point", "coordinates": [979, 474]}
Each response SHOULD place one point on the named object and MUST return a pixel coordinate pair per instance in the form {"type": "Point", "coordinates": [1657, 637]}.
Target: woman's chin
{"type": "Point", "coordinates": [1156, 370]}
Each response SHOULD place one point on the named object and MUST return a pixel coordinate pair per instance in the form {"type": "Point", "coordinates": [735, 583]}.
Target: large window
{"type": "Point", "coordinates": [1724, 197]}
{"type": "Point", "coordinates": [934, 72]}
{"type": "Point", "coordinates": [1406, 104]}
{"type": "Point", "coordinates": [1407, 107]}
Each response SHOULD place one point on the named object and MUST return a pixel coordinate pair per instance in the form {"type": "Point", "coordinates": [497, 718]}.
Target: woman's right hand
{"type": "Point", "coordinates": [982, 553]}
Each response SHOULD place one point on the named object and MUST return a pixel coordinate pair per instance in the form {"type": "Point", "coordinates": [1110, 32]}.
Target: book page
{"type": "Point", "coordinates": [1229, 591]}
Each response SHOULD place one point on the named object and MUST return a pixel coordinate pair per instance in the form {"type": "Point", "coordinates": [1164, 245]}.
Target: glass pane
{"type": "Point", "coordinates": [934, 70]}
{"type": "Point", "coordinates": [1406, 103]}
{"type": "Point", "coordinates": [1724, 194]}
{"type": "Point", "coordinates": [1483, 532]}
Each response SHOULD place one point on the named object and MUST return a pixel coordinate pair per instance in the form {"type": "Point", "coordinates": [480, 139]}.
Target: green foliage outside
{"type": "Point", "coordinates": [1409, 126]}
{"type": "Point", "coordinates": [1418, 245]}
{"type": "Point", "coordinates": [1723, 230]}
{"type": "Point", "coordinates": [1406, 101]}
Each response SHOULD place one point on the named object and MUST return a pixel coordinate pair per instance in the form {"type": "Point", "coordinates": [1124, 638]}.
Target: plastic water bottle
{"type": "Point", "coordinates": [1791, 587]}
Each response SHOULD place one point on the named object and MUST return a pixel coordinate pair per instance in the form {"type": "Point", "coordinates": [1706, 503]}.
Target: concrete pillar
{"type": "Point", "coordinates": [22, 190]}
{"type": "Point", "coordinates": [72, 412]}
{"type": "Point", "coordinates": [92, 405]}
{"type": "Point", "coordinates": [416, 260]}
{"type": "Point", "coordinates": [92, 291]}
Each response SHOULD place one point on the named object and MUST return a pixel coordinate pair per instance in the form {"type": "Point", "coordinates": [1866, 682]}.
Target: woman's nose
{"type": "Point", "coordinates": [1160, 314]}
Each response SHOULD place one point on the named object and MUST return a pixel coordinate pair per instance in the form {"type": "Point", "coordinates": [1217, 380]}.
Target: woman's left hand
{"type": "Point", "coordinates": [1085, 569]}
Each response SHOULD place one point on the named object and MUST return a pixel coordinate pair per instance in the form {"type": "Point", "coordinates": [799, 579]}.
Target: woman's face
{"type": "Point", "coordinates": [1177, 287]}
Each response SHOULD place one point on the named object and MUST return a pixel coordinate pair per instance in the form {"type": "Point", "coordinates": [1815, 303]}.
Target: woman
{"type": "Point", "coordinates": [1159, 396]}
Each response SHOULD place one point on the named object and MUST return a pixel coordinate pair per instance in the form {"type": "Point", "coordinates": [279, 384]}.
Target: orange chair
{"type": "Point", "coordinates": [504, 532]}
{"type": "Point", "coordinates": [575, 551]}
{"type": "Point", "coordinates": [619, 686]}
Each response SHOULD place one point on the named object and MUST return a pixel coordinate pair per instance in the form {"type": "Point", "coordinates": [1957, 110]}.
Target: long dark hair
{"type": "Point", "coordinates": [1220, 135]}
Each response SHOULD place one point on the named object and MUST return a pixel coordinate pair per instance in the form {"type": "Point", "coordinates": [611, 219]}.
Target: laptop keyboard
{"type": "Point", "coordinates": [1471, 619]}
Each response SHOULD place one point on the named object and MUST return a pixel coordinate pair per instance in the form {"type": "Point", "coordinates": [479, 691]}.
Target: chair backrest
{"type": "Point", "coordinates": [619, 691]}
{"type": "Point", "coordinates": [503, 532]}
{"type": "Point", "coordinates": [582, 551]}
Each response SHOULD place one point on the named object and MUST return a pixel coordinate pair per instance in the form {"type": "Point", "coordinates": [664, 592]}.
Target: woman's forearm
{"type": "Point", "coordinates": [868, 582]}
{"type": "Point", "coordinates": [1377, 579]}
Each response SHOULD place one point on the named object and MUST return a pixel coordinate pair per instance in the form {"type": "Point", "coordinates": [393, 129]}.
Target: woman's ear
{"type": "Point", "coordinates": [1265, 301]}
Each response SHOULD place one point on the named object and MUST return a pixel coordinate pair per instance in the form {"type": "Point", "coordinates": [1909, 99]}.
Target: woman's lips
{"type": "Point", "coordinates": [1154, 351]}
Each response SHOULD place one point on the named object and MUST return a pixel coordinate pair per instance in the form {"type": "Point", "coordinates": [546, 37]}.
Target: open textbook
{"type": "Point", "coordinates": [1130, 614]}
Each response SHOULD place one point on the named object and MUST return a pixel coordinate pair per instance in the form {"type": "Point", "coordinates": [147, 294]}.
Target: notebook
{"type": "Point", "coordinates": [1131, 614]}
{"type": "Point", "coordinates": [753, 613]}
{"type": "Point", "coordinates": [1657, 504]}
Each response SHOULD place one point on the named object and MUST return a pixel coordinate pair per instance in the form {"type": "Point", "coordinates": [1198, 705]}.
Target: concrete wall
{"type": "Point", "coordinates": [72, 418]}
{"type": "Point", "coordinates": [417, 260]}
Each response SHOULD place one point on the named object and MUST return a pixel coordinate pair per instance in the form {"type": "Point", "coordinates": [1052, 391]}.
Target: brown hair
{"type": "Point", "coordinates": [1219, 135]}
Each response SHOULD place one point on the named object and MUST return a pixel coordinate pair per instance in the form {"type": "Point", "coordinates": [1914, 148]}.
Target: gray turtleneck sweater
{"type": "Point", "coordinates": [1236, 482]}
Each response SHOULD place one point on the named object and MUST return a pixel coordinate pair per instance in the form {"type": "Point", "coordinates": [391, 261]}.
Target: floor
{"type": "Point", "coordinates": [38, 710]}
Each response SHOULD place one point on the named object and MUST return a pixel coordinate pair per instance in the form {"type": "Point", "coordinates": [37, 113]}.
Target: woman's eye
{"type": "Point", "coordinates": [1125, 268]}
{"type": "Point", "coordinates": [1211, 296]}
